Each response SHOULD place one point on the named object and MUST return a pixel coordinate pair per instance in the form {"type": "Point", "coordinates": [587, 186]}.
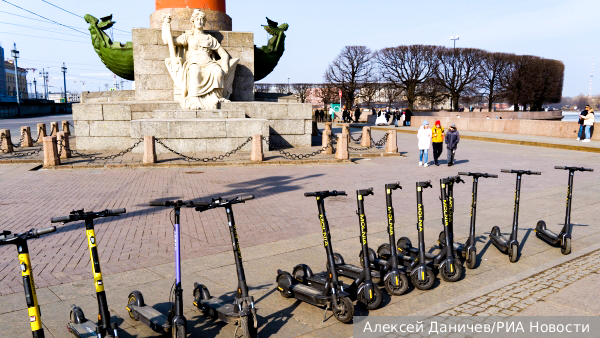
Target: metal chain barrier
{"type": "Point", "coordinates": [96, 158]}
{"type": "Point", "coordinates": [303, 156]}
{"type": "Point", "coordinates": [206, 159]}
{"type": "Point", "coordinates": [18, 145]}
{"type": "Point", "coordinates": [356, 140]}
{"type": "Point", "coordinates": [38, 136]}
{"type": "Point", "coordinates": [21, 154]}
{"type": "Point", "coordinates": [374, 144]}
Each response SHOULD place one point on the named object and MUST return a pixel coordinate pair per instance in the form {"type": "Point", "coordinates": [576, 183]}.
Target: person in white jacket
{"type": "Point", "coordinates": [588, 122]}
{"type": "Point", "coordinates": [424, 136]}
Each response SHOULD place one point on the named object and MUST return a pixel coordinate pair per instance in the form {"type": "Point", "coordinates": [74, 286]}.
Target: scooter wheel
{"type": "Point", "coordinates": [76, 315]}
{"type": "Point", "coordinates": [135, 298]}
{"type": "Point", "coordinates": [541, 225]}
{"type": "Point", "coordinates": [247, 326]}
{"type": "Point", "coordinates": [513, 253]}
{"type": "Point", "coordinates": [344, 311]}
{"type": "Point", "coordinates": [375, 303]}
{"type": "Point", "coordinates": [471, 259]}
{"type": "Point", "coordinates": [426, 284]}
{"type": "Point", "coordinates": [398, 290]}
{"type": "Point", "coordinates": [338, 259]}
{"type": "Point", "coordinates": [302, 272]}
{"type": "Point", "coordinates": [404, 243]}
{"type": "Point", "coordinates": [565, 248]}
{"type": "Point", "coordinates": [384, 252]}
{"type": "Point", "coordinates": [179, 331]}
{"type": "Point", "coordinates": [442, 239]}
{"type": "Point", "coordinates": [201, 293]}
{"type": "Point", "coordinates": [284, 281]}
{"type": "Point", "coordinates": [453, 276]}
{"type": "Point", "coordinates": [372, 257]}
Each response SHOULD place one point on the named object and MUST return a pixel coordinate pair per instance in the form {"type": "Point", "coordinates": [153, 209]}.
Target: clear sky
{"type": "Point", "coordinates": [558, 29]}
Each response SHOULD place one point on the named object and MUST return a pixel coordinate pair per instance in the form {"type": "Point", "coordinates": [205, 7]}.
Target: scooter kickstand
{"type": "Point", "coordinates": [325, 313]}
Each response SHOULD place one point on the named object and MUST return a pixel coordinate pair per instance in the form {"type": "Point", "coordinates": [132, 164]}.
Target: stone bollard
{"type": "Point", "coordinates": [41, 129]}
{"type": "Point", "coordinates": [65, 126]}
{"type": "Point", "coordinates": [328, 126]}
{"type": "Point", "coordinates": [63, 137]}
{"type": "Point", "coordinates": [366, 137]}
{"type": "Point", "coordinates": [53, 128]}
{"type": "Point", "coordinates": [341, 152]}
{"type": "Point", "coordinates": [345, 130]}
{"type": "Point", "coordinates": [149, 150]}
{"type": "Point", "coordinates": [326, 141]}
{"type": "Point", "coordinates": [7, 145]}
{"type": "Point", "coordinates": [392, 142]}
{"type": "Point", "coordinates": [315, 129]}
{"type": "Point", "coordinates": [51, 158]}
{"type": "Point", "coordinates": [27, 140]}
{"type": "Point", "coordinates": [257, 154]}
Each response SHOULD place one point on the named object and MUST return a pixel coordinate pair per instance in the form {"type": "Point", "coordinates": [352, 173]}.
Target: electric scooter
{"type": "Point", "coordinates": [332, 295]}
{"type": "Point", "coordinates": [174, 321]}
{"type": "Point", "coordinates": [20, 240]}
{"type": "Point", "coordinates": [242, 310]}
{"type": "Point", "coordinates": [446, 260]}
{"type": "Point", "coordinates": [510, 245]}
{"type": "Point", "coordinates": [78, 325]}
{"type": "Point", "coordinates": [467, 250]}
{"type": "Point", "coordinates": [367, 293]}
{"type": "Point", "coordinates": [562, 239]}
{"type": "Point", "coordinates": [394, 280]}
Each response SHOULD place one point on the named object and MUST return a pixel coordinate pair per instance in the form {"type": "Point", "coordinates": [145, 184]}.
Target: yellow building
{"type": "Point", "coordinates": [9, 67]}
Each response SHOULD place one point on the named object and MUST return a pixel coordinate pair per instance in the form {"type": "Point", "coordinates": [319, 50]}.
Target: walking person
{"type": "Point", "coordinates": [588, 123]}
{"type": "Point", "coordinates": [408, 117]}
{"type": "Point", "coordinates": [452, 139]}
{"type": "Point", "coordinates": [424, 136]}
{"type": "Point", "coordinates": [437, 140]}
{"type": "Point", "coordinates": [581, 126]}
{"type": "Point", "coordinates": [357, 114]}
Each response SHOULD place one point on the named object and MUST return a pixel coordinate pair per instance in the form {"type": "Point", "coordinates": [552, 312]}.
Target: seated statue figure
{"type": "Point", "coordinates": [201, 80]}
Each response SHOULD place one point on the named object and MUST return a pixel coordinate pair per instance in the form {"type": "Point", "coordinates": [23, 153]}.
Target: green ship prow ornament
{"type": "Point", "coordinates": [117, 57]}
{"type": "Point", "coordinates": [267, 57]}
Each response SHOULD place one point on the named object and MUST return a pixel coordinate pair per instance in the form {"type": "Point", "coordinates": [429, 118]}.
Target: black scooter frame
{"type": "Point", "coordinates": [79, 325]}
{"type": "Point", "coordinates": [242, 309]}
{"type": "Point", "coordinates": [510, 245]}
{"type": "Point", "coordinates": [562, 239]}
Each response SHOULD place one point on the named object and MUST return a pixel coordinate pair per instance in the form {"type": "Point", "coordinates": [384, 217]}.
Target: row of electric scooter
{"type": "Point", "coordinates": [393, 265]}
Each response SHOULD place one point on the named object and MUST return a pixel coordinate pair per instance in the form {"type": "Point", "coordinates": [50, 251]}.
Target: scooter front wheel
{"type": "Point", "coordinates": [247, 325]}
{"type": "Point", "coordinates": [513, 253]}
{"type": "Point", "coordinates": [344, 311]}
{"type": "Point", "coordinates": [399, 289]}
{"type": "Point", "coordinates": [375, 303]}
{"type": "Point", "coordinates": [454, 275]}
{"type": "Point", "coordinates": [565, 248]}
{"type": "Point", "coordinates": [179, 331]}
{"type": "Point", "coordinates": [471, 259]}
{"type": "Point", "coordinates": [425, 284]}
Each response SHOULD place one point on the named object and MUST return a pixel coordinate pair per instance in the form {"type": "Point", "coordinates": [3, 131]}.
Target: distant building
{"type": "Point", "coordinates": [71, 97]}
{"type": "Point", "coordinates": [2, 74]}
{"type": "Point", "coordinates": [11, 90]}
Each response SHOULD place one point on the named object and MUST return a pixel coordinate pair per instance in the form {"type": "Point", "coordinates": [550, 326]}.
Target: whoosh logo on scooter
{"type": "Point", "coordinates": [322, 219]}
{"type": "Point", "coordinates": [390, 221]}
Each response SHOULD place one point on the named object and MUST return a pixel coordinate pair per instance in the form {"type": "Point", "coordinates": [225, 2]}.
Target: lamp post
{"type": "Point", "coordinates": [289, 85]}
{"type": "Point", "coordinates": [44, 76]}
{"type": "Point", "coordinates": [15, 55]}
{"type": "Point", "coordinates": [35, 87]}
{"type": "Point", "coordinates": [64, 70]}
{"type": "Point", "coordinates": [454, 39]}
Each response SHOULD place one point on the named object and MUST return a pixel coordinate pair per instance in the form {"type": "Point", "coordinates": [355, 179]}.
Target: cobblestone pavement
{"type": "Point", "coordinates": [514, 298]}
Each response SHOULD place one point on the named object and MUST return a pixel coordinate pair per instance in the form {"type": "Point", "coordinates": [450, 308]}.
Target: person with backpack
{"type": "Point", "coordinates": [437, 141]}
{"type": "Point", "coordinates": [452, 139]}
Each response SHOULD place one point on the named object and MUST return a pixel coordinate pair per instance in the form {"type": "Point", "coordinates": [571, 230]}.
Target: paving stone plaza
{"type": "Point", "coordinates": [280, 228]}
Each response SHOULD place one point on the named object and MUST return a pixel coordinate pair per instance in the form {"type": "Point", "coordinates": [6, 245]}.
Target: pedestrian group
{"type": "Point", "coordinates": [428, 136]}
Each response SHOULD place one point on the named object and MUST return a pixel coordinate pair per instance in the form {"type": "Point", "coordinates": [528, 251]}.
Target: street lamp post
{"type": "Point", "coordinates": [15, 55]}
{"type": "Point", "coordinates": [35, 87]}
{"type": "Point", "coordinates": [454, 39]}
{"type": "Point", "coordinates": [64, 70]}
{"type": "Point", "coordinates": [289, 85]}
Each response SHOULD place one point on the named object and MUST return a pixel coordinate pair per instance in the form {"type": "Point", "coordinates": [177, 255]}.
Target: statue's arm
{"type": "Point", "coordinates": [224, 58]}
{"type": "Point", "coordinates": [167, 35]}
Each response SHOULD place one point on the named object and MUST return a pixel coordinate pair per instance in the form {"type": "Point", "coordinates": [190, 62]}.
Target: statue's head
{"type": "Point", "coordinates": [198, 19]}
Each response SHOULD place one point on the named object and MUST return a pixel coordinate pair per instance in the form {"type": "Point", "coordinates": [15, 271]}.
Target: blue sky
{"type": "Point", "coordinates": [556, 29]}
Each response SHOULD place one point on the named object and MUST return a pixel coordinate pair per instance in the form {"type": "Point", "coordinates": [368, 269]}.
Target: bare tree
{"type": "Point", "coordinates": [280, 88]}
{"type": "Point", "coordinates": [350, 71]}
{"type": "Point", "coordinates": [370, 91]}
{"type": "Point", "coordinates": [407, 67]}
{"type": "Point", "coordinates": [495, 67]}
{"type": "Point", "coordinates": [391, 92]}
{"type": "Point", "coordinates": [262, 87]}
{"type": "Point", "coordinates": [326, 92]}
{"type": "Point", "coordinates": [457, 69]}
{"type": "Point", "coordinates": [301, 90]}
{"type": "Point", "coordinates": [432, 91]}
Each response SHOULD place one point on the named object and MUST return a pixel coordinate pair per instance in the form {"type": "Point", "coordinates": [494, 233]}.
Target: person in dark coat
{"type": "Point", "coordinates": [408, 115]}
{"type": "Point", "coordinates": [452, 139]}
{"type": "Point", "coordinates": [580, 134]}
{"type": "Point", "coordinates": [356, 114]}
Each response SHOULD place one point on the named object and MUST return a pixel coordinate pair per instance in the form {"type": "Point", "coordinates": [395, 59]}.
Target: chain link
{"type": "Point", "coordinates": [94, 157]}
{"type": "Point", "coordinates": [205, 159]}
{"type": "Point", "coordinates": [15, 154]}
{"type": "Point", "coordinates": [38, 136]}
{"type": "Point", "coordinates": [302, 156]}
{"type": "Point", "coordinates": [358, 139]}
{"type": "Point", "coordinates": [374, 144]}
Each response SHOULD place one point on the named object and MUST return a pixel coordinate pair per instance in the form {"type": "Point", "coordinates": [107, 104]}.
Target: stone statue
{"type": "Point", "coordinates": [201, 80]}
{"type": "Point", "coordinates": [267, 57]}
{"type": "Point", "coordinates": [116, 56]}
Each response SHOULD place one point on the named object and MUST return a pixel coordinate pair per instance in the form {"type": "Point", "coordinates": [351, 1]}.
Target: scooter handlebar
{"type": "Point", "coordinates": [43, 231]}
{"type": "Point", "coordinates": [426, 184]}
{"type": "Point", "coordinates": [393, 186]}
{"type": "Point", "coordinates": [325, 193]}
{"type": "Point", "coordinates": [60, 219]}
{"type": "Point", "coordinates": [246, 198]}
{"type": "Point", "coordinates": [158, 203]}
{"type": "Point", "coordinates": [523, 172]}
{"type": "Point", "coordinates": [365, 192]}
{"type": "Point", "coordinates": [116, 212]}
{"type": "Point", "coordinates": [574, 168]}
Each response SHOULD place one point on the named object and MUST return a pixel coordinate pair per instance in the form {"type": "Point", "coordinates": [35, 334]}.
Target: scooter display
{"type": "Point", "coordinates": [20, 240]}
{"type": "Point", "coordinates": [562, 239]}
{"type": "Point", "coordinates": [79, 325]}
{"type": "Point", "coordinates": [363, 288]}
{"type": "Point", "coordinates": [174, 322]}
{"type": "Point", "coordinates": [510, 245]}
{"type": "Point", "coordinates": [332, 294]}
{"type": "Point", "coordinates": [446, 260]}
{"type": "Point", "coordinates": [468, 250]}
{"type": "Point", "coordinates": [242, 309]}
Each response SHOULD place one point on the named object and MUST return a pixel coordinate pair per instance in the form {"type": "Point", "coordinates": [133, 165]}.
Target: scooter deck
{"type": "Point", "coordinates": [152, 318]}
{"type": "Point", "coordinates": [500, 242]}
{"type": "Point", "coordinates": [221, 309]}
{"type": "Point", "coordinates": [308, 294]}
{"type": "Point", "coordinates": [354, 272]}
{"type": "Point", "coordinates": [549, 236]}
{"type": "Point", "coordinates": [83, 330]}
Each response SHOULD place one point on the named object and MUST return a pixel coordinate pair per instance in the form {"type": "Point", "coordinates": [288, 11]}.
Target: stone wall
{"type": "Point", "coordinates": [523, 127]}
{"type": "Point", "coordinates": [526, 115]}
{"type": "Point", "coordinates": [152, 80]}
{"type": "Point", "coordinates": [110, 96]}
